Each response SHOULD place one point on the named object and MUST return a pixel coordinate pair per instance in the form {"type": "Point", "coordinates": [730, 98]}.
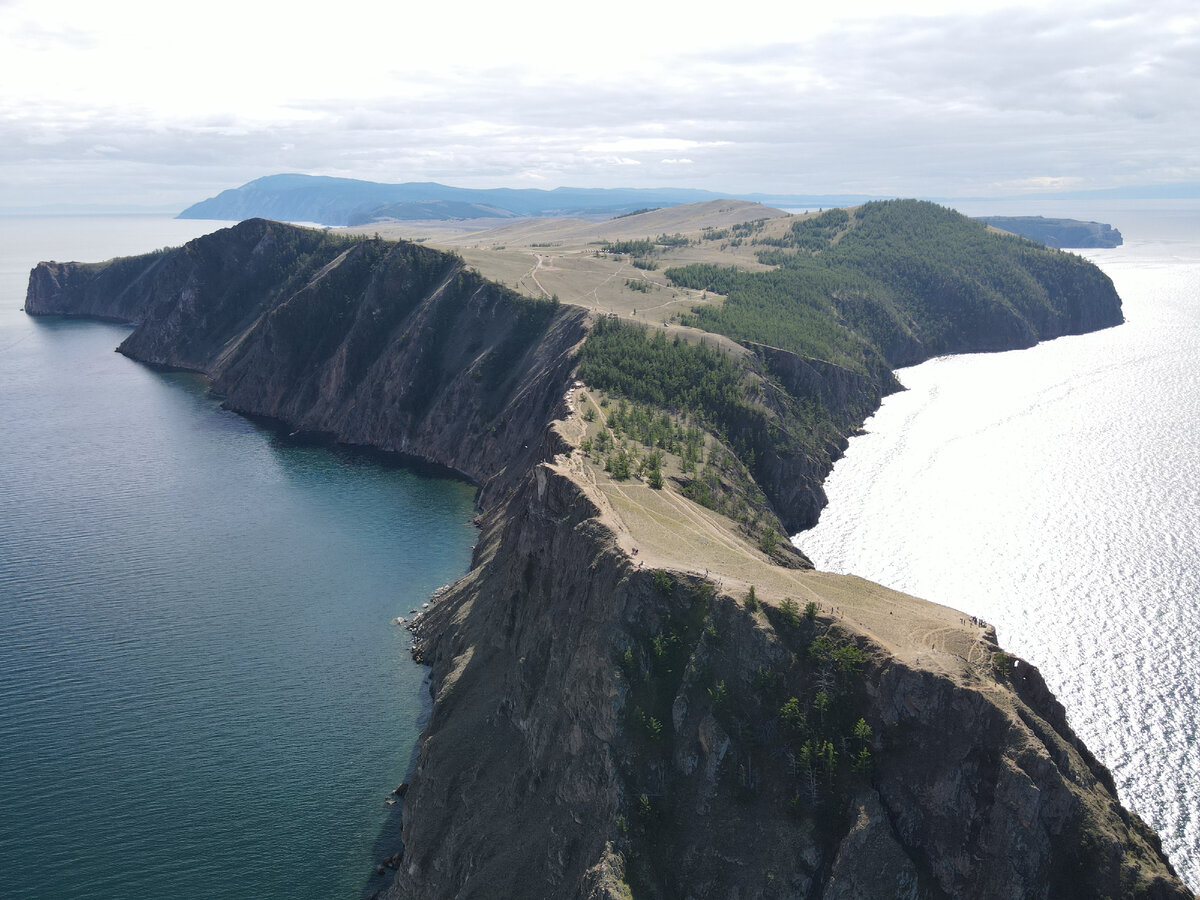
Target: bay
{"type": "Point", "coordinates": [201, 693]}
{"type": "Point", "coordinates": [1055, 492]}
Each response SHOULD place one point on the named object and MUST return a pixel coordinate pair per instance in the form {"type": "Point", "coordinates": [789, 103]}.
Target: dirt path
{"type": "Point", "coordinates": [532, 273]}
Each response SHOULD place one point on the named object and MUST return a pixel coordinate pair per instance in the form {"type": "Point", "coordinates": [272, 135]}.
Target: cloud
{"type": "Point", "coordinates": [33, 36]}
{"type": "Point", "coordinates": [941, 105]}
{"type": "Point", "coordinates": [1038, 184]}
{"type": "Point", "coordinates": [649, 145]}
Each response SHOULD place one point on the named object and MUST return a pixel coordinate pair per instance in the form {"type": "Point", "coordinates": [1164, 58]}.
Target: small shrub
{"type": "Point", "coordinates": [1003, 664]}
{"type": "Point", "coordinates": [862, 761]}
{"type": "Point", "coordinates": [719, 694]}
{"type": "Point", "coordinates": [792, 716]}
{"type": "Point", "coordinates": [645, 808]}
{"type": "Point", "coordinates": [751, 599]}
{"type": "Point", "coordinates": [769, 540]}
{"type": "Point", "coordinates": [653, 727]}
{"type": "Point", "coordinates": [628, 663]}
{"type": "Point", "coordinates": [790, 611]}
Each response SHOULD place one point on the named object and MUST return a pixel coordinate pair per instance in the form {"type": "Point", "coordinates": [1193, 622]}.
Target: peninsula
{"type": "Point", "coordinates": [1061, 233]}
{"type": "Point", "coordinates": [640, 689]}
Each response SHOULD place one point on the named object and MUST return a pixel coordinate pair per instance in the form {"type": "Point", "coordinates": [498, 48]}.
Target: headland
{"type": "Point", "coordinates": [640, 688]}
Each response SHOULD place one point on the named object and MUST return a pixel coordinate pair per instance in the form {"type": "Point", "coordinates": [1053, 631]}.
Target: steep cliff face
{"type": "Point", "coordinates": [598, 728]}
{"type": "Point", "coordinates": [602, 731]}
{"type": "Point", "coordinates": [1058, 232]}
{"type": "Point", "coordinates": [794, 478]}
{"type": "Point", "coordinates": [388, 345]}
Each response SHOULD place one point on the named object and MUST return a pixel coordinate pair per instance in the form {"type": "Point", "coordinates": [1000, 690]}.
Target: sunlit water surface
{"type": "Point", "coordinates": [201, 693]}
{"type": "Point", "coordinates": [1056, 493]}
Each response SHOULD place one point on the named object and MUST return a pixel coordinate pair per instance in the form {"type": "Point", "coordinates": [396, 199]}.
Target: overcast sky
{"type": "Point", "coordinates": [161, 104]}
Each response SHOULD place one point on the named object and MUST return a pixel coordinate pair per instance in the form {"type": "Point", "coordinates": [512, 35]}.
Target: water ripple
{"type": "Point", "coordinates": [1056, 493]}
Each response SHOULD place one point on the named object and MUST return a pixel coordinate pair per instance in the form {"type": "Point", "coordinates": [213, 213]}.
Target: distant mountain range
{"type": "Point", "coordinates": [348, 201]}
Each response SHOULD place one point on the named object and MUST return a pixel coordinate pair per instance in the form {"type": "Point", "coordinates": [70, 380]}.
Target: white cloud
{"type": "Point", "coordinates": [650, 145]}
{"type": "Point", "coordinates": [942, 103]}
{"type": "Point", "coordinates": [1037, 184]}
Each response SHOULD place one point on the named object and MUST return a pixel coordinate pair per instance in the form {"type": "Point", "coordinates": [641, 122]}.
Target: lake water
{"type": "Point", "coordinates": [200, 691]}
{"type": "Point", "coordinates": [1055, 492]}
{"type": "Point", "coordinates": [200, 695]}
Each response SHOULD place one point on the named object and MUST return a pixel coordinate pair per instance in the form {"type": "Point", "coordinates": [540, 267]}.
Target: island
{"type": "Point", "coordinates": [640, 688]}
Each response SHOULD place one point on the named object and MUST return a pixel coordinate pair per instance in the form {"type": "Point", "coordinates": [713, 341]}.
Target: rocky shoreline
{"type": "Point", "coordinates": [604, 728]}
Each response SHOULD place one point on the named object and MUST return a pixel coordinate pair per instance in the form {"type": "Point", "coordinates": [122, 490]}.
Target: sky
{"type": "Point", "coordinates": [157, 105]}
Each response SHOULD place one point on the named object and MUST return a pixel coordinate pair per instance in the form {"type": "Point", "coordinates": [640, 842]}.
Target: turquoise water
{"type": "Point", "coordinates": [200, 691]}
{"type": "Point", "coordinates": [1055, 492]}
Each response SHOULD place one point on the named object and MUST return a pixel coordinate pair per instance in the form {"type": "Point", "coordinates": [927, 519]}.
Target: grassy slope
{"type": "Point", "coordinates": [854, 293]}
{"type": "Point", "coordinates": [866, 290]}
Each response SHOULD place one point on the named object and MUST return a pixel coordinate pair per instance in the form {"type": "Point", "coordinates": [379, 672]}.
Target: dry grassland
{"type": "Point", "coordinates": [664, 529]}
{"type": "Point", "coordinates": [565, 257]}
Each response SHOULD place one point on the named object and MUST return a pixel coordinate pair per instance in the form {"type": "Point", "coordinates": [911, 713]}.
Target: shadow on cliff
{"type": "Point", "coordinates": [388, 847]}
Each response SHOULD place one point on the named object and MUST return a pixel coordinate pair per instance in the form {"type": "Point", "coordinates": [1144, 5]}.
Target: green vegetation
{"type": "Point", "coordinates": [733, 400]}
{"type": "Point", "coordinates": [895, 281]}
{"type": "Point", "coordinates": [887, 284]}
{"type": "Point", "coordinates": [637, 212]}
{"type": "Point", "coordinates": [800, 723]}
{"type": "Point", "coordinates": [668, 375]}
{"type": "Point", "coordinates": [1002, 663]}
{"type": "Point", "coordinates": [789, 611]}
{"type": "Point", "coordinates": [751, 599]}
{"type": "Point", "coordinates": [643, 247]}
{"type": "Point", "coordinates": [672, 240]}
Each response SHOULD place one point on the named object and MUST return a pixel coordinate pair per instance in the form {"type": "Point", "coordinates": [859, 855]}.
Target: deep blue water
{"type": "Point", "coordinates": [201, 693]}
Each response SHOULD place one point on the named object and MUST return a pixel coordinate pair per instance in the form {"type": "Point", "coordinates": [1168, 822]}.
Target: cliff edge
{"type": "Point", "coordinates": [632, 698]}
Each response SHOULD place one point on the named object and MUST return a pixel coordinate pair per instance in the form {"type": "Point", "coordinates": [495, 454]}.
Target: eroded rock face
{"type": "Point", "coordinates": [595, 726]}
{"type": "Point", "coordinates": [388, 345]}
{"type": "Point", "coordinates": [537, 777]}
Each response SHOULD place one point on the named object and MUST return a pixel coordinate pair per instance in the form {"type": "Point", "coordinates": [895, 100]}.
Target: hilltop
{"type": "Point", "coordinates": [815, 309]}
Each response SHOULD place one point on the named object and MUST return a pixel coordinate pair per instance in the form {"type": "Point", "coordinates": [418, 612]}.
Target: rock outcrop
{"type": "Point", "coordinates": [1059, 233]}
{"type": "Point", "coordinates": [601, 730]}
{"type": "Point", "coordinates": [378, 344]}
{"type": "Point", "coordinates": [538, 774]}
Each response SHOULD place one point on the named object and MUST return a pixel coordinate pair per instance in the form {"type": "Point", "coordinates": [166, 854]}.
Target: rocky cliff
{"type": "Point", "coordinates": [605, 728]}
{"type": "Point", "coordinates": [602, 731]}
{"type": "Point", "coordinates": [379, 344]}
{"type": "Point", "coordinates": [1058, 232]}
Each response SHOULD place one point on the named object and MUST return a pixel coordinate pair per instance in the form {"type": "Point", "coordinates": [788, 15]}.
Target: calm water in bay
{"type": "Point", "coordinates": [200, 691]}
{"type": "Point", "coordinates": [1056, 493]}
